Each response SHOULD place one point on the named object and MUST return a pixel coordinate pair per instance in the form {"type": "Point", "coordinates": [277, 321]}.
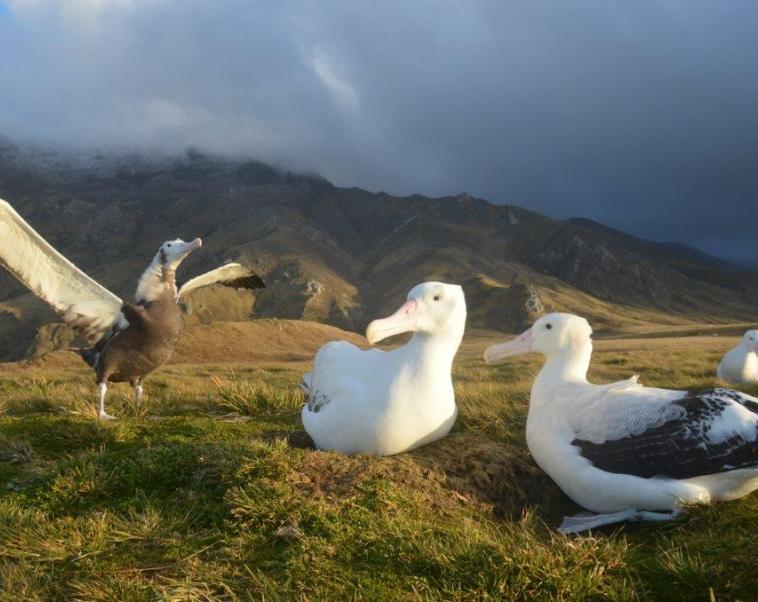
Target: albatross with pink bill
{"type": "Point", "coordinates": [387, 402]}
{"type": "Point", "coordinates": [624, 451]}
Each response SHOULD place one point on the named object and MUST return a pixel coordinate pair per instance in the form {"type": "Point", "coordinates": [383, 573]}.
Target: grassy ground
{"type": "Point", "coordinates": [209, 494]}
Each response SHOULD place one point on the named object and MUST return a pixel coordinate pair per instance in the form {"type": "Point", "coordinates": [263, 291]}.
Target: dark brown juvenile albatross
{"type": "Point", "coordinates": [128, 341]}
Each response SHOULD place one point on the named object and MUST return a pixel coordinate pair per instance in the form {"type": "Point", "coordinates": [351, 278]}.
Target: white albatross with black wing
{"type": "Point", "coordinates": [626, 451]}
{"type": "Point", "coordinates": [127, 341]}
{"type": "Point", "coordinates": [740, 365]}
{"type": "Point", "coordinates": [388, 402]}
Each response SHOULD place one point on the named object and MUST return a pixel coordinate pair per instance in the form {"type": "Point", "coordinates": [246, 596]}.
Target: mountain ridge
{"type": "Point", "coordinates": [344, 255]}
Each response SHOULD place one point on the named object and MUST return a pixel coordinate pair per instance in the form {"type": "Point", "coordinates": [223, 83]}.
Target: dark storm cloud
{"type": "Point", "coordinates": [639, 114]}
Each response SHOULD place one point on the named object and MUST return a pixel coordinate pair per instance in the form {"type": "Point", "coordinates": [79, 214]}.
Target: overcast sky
{"type": "Point", "coordinates": [640, 114]}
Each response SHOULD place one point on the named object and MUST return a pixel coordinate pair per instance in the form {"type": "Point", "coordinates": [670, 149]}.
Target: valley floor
{"type": "Point", "coordinates": [209, 493]}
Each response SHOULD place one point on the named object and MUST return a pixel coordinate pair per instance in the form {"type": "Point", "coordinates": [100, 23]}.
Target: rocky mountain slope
{"type": "Point", "coordinates": [341, 255]}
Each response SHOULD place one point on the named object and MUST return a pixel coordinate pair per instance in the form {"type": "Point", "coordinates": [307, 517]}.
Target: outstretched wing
{"type": "Point", "coordinates": [231, 274]}
{"type": "Point", "coordinates": [81, 302]}
{"type": "Point", "coordinates": [715, 431]}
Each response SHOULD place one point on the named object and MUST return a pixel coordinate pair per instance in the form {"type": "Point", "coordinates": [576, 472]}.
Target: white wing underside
{"type": "Point", "coordinates": [81, 302]}
{"type": "Point", "coordinates": [228, 274]}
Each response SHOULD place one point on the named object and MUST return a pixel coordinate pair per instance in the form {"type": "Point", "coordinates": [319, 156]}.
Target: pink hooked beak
{"type": "Point", "coordinates": [403, 320]}
{"type": "Point", "coordinates": [518, 346]}
{"type": "Point", "coordinates": [188, 247]}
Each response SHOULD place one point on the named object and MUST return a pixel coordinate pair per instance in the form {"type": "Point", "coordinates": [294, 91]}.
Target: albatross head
{"type": "Point", "coordinates": [750, 340]}
{"type": "Point", "coordinates": [550, 335]}
{"type": "Point", "coordinates": [172, 252]}
{"type": "Point", "coordinates": [160, 276]}
{"type": "Point", "coordinates": [432, 308]}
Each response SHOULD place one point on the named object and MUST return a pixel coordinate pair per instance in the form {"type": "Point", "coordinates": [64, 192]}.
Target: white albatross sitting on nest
{"type": "Point", "coordinates": [623, 450]}
{"type": "Point", "coordinates": [740, 365]}
{"type": "Point", "coordinates": [128, 341]}
{"type": "Point", "coordinates": [388, 402]}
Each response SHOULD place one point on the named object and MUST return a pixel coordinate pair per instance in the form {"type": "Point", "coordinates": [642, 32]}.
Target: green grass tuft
{"type": "Point", "coordinates": [253, 398]}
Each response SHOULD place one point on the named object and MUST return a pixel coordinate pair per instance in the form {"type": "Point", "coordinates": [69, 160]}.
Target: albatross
{"type": "Point", "coordinates": [126, 341]}
{"type": "Point", "coordinates": [624, 451]}
{"type": "Point", "coordinates": [387, 402]}
{"type": "Point", "coordinates": [740, 365]}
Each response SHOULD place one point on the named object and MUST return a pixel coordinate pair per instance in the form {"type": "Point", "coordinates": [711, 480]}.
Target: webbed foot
{"type": "Point", "coordinates": [588, 520]}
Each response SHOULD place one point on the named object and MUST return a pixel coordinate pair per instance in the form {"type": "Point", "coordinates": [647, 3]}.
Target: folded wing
{"type": "Point", "coordinates": [232, 274]}
{"type": "Point", "coordinates": [82, 303]}
{"type": "Point", "coordinates": [715, 431]}
{"type": "Point", "coordinates": [341, 371]}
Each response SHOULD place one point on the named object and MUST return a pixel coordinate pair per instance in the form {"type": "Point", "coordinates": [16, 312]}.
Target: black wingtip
{"type": "Point", "coordinates": [252, 281]}
{"type": "Point", "coordinates": [88, 355]}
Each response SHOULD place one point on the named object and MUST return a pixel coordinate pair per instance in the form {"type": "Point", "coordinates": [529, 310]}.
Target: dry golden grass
{"type": "Point", "coordinates": [205, 496]}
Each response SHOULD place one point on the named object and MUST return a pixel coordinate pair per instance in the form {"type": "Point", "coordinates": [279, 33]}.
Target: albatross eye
{"type": "Point", "coordinates": [169, 244]}
{"type": "Point", "coordinates": [436, 297]}
{"type": "Point", "coordinates": [548, 326]}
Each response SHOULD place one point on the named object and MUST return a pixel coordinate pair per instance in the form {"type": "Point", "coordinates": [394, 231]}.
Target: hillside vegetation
{"type": "Point", "coordinates": [211, 493]}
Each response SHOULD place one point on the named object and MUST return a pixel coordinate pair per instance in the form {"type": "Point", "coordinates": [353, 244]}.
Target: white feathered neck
{"type": "Point", "coordinates": [155, 281]}
{"type": "Point", "coordinates": [567, 365]}
{"type": "Point", "coordinates": [432, 352]}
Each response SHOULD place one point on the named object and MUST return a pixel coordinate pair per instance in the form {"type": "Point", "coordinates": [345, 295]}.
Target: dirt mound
{"type": "Point", "coordinates": [333, 476]}
{"type": "Point", "coordinates": [461, 469]}
{"type": "Point", "coordinates": [490, 472]}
